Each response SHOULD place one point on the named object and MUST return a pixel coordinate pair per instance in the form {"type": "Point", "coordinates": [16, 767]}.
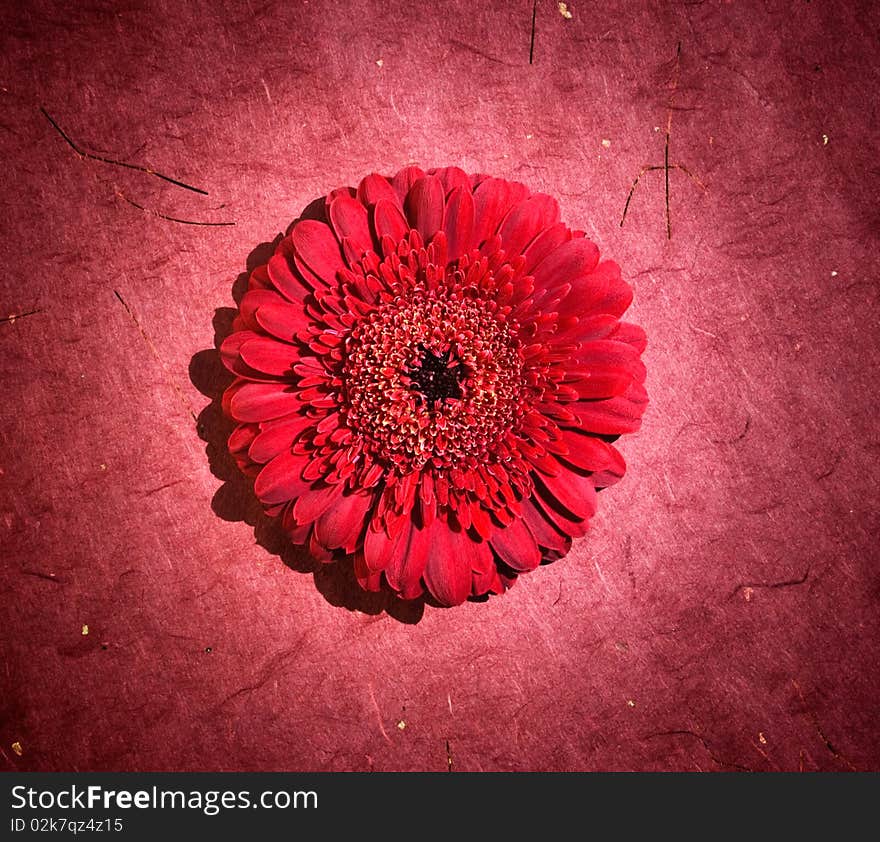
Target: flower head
{"type": "Point", "coordinates": [429, 376]}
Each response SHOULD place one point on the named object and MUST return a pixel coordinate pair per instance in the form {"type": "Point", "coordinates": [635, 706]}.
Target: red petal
{"type": "Point", "coordinates": [590, 383]}
{"type": "Point", "coordinates": [525, 221]}
{"type": "Point", "coordinates": [281, 479]}
{"type": "Point", "coordinates": [542, 529]}
{"type": "Point", "coordinates": [482, 559]}
{"type": "Point", "coordinates": [231, 346]}
{"type": "Point", "coordinates": [259, 279]}
{"type": "Point", "coordinates": [491, 203]}
{"type": "Point", "coordinates": [613, 473]}
{"type": "Point", "coordinates": [286, 280]}
{"type": "Point", "coordinates": [480, 555]}
{"type": "Point", "coordinates": [584, 298]}
{"type": "Point", "coordinates": [602, 357]}
{"type": "Point", "coordinates": [350, 192]}
{"type": "Point", "coordinates": [318, 552]}
{"type": "Point", "coordinates": [277, 436]}
{"type": "Point", "coordinates": [587, 452]}
{"type": "Point", "coordinates": [632, 335]}
{"type": "Point", "coordinates": [375, 187]}
{"type": "Point", "coordinates": [368, 580]}
{"type": "Point", "coordinates": [282, 320]}
{"type": "Point", "coordinates": [548, 209]}
{"type": "Point", "coordinates": [574, 492]}
{"type": "Point", "coordinates": [554, 513]}
{"type": "Point", "coordinates": [313, 503]}
{"type": "Point", "coordinates": [615, 416]}
{"type": "Point", "coordinates": [269, 356]}
{"type": "Point", "coordinates": [424, 206]}
{"type": "Point", "coordinates": [404, 180]}
{"type": "Point", "coordinates": [251, 300]}
{"type": "Point", "coordinates": [587, 328]}
{"type": "Point", "coordinates": [544, 462]}
{"type": "Point", "coordinates": [388, 221]}
{"type": "Point", "coordinates": [408, 559]}
{"type": "Point", "coordinates": [452, 178]}
{"type": "Point", "coordinates": [487, 581]}
{"type": "Point", "coordinates": [310, 279]}
{"type": "Point", "coordinates": [349, 219]}
{"type": "Point", "coordinates": [341, 526]}
{"type": "Point", "coordinates": [516, 546]}
{"type": "Point", "coordinates": [481, 521]}
{"type": "Point", "coordinates": [459, 223]}
{"type": "Point", "coordinates": [262, 402]}
{"type": "Point", "coordinates": [566, 263]}
{"type": "Point", "coordinates": [451, 559]}
{"type": "Point", "coordinates": [241, 438]}
{"type": "Point", "coordinates": [315, 244]}
{"type": "Point", "coordinates": [544, 243]}
{"type": "Point", "coordinates": [378, 548]}
{"type": "Point", "coordinates": [617, 294]}
{"type": "Point", "coordinates": [297, 534]}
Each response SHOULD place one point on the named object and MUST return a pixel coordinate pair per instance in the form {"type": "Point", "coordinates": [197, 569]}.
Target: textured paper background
{"type": "Point", "coordinates": [722, 614]}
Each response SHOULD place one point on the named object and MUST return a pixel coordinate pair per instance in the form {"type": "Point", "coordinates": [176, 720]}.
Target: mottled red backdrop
{"type": "Point", "coordinates": [722, 614]}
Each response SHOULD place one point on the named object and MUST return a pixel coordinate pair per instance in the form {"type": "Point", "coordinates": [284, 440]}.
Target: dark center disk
{"type": "Point", "coordinates": [434, 378]}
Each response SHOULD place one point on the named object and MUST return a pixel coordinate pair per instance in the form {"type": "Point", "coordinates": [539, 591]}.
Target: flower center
{"type": "Point", "coordinates": [433, 378]}
{"type": "Point", "coordinates": [436, 378]}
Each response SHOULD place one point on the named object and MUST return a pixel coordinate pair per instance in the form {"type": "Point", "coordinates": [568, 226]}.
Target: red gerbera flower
{"type": "Point", "coordinates": [429, 378]}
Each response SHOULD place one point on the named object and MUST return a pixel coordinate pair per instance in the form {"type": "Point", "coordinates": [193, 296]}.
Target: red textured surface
{"type": "Point", "coordinates": [721, 614]}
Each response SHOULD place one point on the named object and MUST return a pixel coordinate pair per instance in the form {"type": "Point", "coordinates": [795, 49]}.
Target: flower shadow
{"type": "Point", "coordinates": [235, 500]}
